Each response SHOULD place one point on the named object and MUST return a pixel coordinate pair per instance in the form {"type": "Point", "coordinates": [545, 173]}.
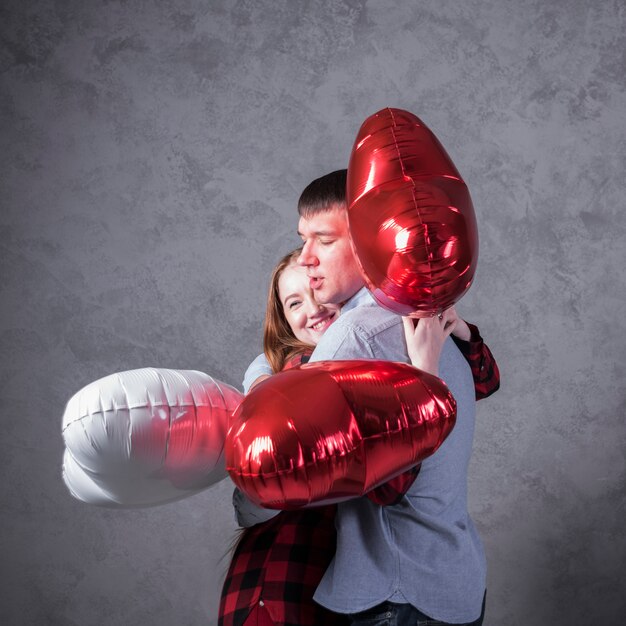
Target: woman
{"type": "Point", "coordinates": [294, 321]}
{"type": "Point", "coordinates": [279, 562]}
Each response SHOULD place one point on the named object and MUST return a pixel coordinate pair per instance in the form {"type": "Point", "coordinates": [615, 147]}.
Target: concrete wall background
{"type": "Point", "coordinates": [151, 157]}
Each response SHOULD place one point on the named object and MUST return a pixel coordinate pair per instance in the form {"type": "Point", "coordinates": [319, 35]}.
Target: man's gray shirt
{"type": "Point", "coordinates": [424, 550]}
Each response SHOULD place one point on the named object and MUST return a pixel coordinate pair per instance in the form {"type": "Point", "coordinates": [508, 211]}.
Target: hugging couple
{"type": "Point", "coordinates": [408, 551]}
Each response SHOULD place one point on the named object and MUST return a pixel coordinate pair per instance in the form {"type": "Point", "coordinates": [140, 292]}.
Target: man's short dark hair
{"type": "Point", "coordinates": [323, 194]}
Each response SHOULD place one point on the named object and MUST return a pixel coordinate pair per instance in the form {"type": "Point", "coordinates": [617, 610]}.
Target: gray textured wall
{"type": "Point", "coordinates": [151, 157]}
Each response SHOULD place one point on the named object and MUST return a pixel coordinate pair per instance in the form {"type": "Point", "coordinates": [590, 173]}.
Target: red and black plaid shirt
{"type": "Point", "coordinates": [483, 365]}
{"type": "Point", "coordinates": [280, 562]}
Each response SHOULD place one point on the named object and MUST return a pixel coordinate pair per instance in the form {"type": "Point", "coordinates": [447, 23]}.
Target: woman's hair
{"type": "Point", "coordinates": [279, 342]}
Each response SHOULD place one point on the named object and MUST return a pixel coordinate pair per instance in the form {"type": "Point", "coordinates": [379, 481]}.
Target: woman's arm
{"type": "Point", "coordinates": [249, 514]}
{"type": "Point", "coordinates": [478, 355]}
{"type": "Point", "coordinates": [246, 512]}
{"type": "Point", "coordinates": [260, 379]}
{"type": "Point", "coordinates": [259, 368]}
{"type": "Point", "coordinates": [425, 342]}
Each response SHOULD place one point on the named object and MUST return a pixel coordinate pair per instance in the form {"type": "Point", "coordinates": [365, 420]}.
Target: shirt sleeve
{"type": "Point", "coordinates": [482, 363]}
{"type": "Point", "coordinates": [249, 514]}
{"type": "Point", "coordinates": [258, 367]}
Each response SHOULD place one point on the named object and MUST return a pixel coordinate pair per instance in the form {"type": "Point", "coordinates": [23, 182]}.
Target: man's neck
{"type": "Point", "coordinates": [355, 299]}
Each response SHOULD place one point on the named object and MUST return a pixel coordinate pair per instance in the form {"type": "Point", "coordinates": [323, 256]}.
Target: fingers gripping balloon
{"type": "Point", "coordinates": [410, 214]}
{"type": "Point", "coordinates": [333, 430]}
{"type": "Point", "coordinates": [146, 437]}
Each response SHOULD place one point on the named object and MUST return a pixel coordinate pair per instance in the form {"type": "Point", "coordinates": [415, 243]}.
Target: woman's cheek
{"type": "Point", "coordinates": [297, 321]}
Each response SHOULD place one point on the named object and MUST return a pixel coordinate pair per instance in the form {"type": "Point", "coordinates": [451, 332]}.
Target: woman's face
{"type": "Point", "coordinates": [308, 319]}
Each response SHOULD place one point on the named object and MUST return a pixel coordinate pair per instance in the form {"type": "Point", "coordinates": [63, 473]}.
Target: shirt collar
{"type": "Point", "coordinates": [360, 298]}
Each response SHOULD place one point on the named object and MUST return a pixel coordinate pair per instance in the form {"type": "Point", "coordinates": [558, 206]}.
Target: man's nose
{"type": "Point", "coordinates": [307, 258]}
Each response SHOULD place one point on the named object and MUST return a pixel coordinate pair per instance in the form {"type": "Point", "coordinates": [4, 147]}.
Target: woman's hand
{"type": "Point", "coordinates": [461, 330]}
{"type": "Point", "coordinates": [425, 338]}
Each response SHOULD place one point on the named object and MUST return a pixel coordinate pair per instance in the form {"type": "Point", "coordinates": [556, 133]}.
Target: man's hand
{"type": "Point", "coordinates": [425, 338]}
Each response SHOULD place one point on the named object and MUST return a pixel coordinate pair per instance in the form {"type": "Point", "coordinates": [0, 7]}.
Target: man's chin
{"type": "Point", "coordinates": [321, 296]}
{"type": "Point", "coordinates": [329, 300]}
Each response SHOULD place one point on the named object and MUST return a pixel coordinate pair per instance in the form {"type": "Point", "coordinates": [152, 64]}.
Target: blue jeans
{"type": "Point", "coordinates": [391, 614]}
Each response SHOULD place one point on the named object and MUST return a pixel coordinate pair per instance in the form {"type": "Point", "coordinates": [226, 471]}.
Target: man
{"type": "Point", "coordinates": [420, 559]}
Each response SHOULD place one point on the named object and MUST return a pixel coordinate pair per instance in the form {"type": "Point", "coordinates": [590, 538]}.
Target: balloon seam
{"type": "Point", "coordinates": [169, 428]}
{"type": "Point", "coordinates": [404, 174]}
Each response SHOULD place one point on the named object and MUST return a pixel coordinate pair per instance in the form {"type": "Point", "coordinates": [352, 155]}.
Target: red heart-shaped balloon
{"type": "Point", "coordinates": [411, 217]}
{"type": "Point", "coordinates": [333, 430]}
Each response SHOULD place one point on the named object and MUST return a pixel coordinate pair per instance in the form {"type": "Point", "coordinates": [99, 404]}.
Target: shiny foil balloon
{"type": "Point", "coordinates": [146, 437]}
{"type": "Point", "coordinates": [410, 214]}
{"type": "Point", "coordinates": [334, 430]}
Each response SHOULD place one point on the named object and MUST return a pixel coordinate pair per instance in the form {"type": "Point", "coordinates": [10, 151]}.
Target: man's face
{"type": "Point", "coordinates": [327, 254]}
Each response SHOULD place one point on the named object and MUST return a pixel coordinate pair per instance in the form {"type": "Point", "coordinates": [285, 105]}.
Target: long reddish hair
{"type": "Point", "coordinates": [279, 342]}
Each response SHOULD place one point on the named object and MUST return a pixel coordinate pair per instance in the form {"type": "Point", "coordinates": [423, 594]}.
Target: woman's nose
{"type": "Point", "coordinates": [314, 308]}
